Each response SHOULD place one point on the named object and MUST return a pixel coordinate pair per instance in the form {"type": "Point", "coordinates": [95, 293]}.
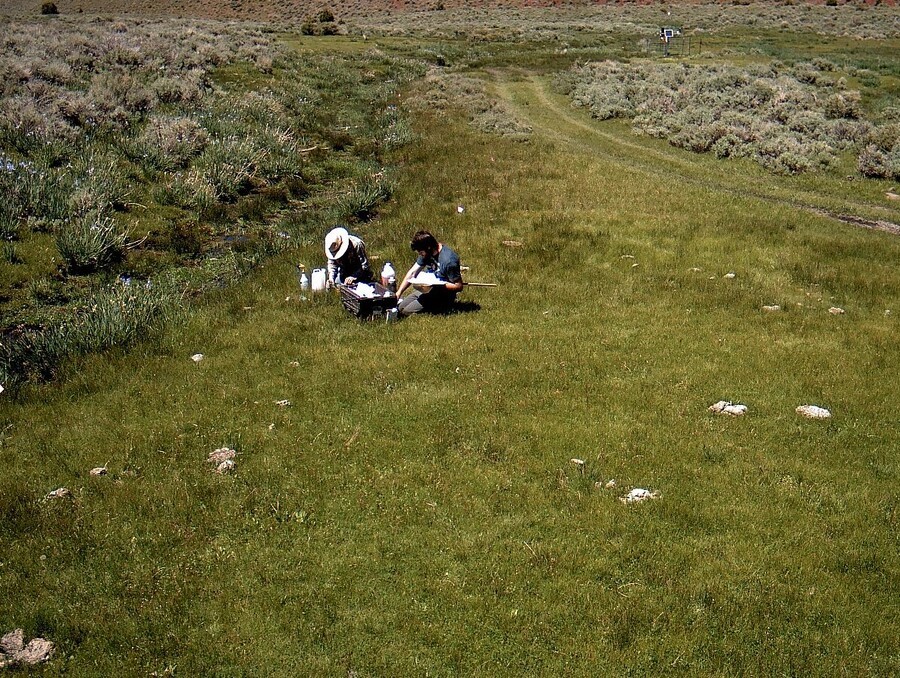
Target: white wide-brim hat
{"type": "Point", "coordinates": [336, 243]}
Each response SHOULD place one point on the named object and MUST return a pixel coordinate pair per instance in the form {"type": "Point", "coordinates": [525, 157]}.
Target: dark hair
{"type": "Point", "coordinates": [423, 241]}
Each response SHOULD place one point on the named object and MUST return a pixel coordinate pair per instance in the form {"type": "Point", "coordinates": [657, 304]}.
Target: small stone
{"type": "Point", "coordinates": [197, 357]}
{"type": "Point", "coordinates": [579, 463]}
{"type": "Point", "coordinates": [460, 209]}
{"type": "Point", "coordinates": [37, 651]}
{"type": "Point", "coordinates": [226, 466]}
{"type": "Point", "coordinates": [887, 311]}
{"type": "Point", "coordinates": [813, 412]}
{"type": "Point", "coordinates": [220, 455]}
{"type": "Point", "coordinates": [58, 493]}
{"type": "Point", "coordinates": [12, 642]}
{"type": "Point", "coordinates": [283, 403]}
{"type": "Point", "coordinates": [772, 309]}
{"type": "Point", "coordinates": [727, 407]}
{"type": "Point", "coordinates": [834, 310]}
{"type": "Point", "coordinates": [637, 495]}
{"type": "Point", "coordinates": [627, 256]}
{"type": "Point", "coordinates": [99, 471]}
{"type": "Point", "coordinates": [730, 276]}
{"type": "Point", "coordinates": [294, 363]}
{"type": "Point", "coordinates": [610, 484]}
{"type": "Point", "coordinates": [694, 269]}
{"type": "Point", "coordinates": [890, 195]}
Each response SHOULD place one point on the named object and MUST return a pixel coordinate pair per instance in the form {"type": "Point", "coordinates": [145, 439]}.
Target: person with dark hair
{"type": "Point", "coordinates": [442, 263]}
{"type": "Point", "coordinates": [347, 260]}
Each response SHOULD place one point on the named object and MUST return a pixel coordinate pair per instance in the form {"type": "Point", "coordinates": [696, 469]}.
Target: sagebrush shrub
{"type": "Point", "coordinates": [760, 112]}
{"type": "Point", "coordinates": [169, 143]}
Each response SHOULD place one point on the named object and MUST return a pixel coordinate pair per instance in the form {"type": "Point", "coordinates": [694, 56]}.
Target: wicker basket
{"type": "Point", "coordinates": [368, 307]}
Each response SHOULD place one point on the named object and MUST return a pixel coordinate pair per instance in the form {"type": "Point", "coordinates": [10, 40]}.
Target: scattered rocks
{"type": "Point", "coordinates": [14, 652]}
{"type": "Point", "coordinates": [771, 309]}
{"type": "Point", "coordinates": [58, 493]}
{"type": "Point", "coordinates": [834, 310]}
{"type": "Point", "coordinates": [813, 412]}
{"type": "Point", "coordinates": [99, 471]}
{"type": "Point", "coordinates": [283, 403]}
{"type": "Point", "coordinates": [638, 495]}
{"type": "Point", "coordinates": [197, 357]}
{"type": "Point", "coordinates": [727, 407]}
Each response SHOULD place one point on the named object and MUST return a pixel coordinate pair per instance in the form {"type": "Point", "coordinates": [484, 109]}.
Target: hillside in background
{"type": "Point", "coordinates": [287, 10]}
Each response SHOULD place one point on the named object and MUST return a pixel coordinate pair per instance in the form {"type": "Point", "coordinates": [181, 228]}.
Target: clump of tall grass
{"type": "Point", "coordinates": [99, 183]}
{"type": "Point", "coordinates": [10, 216]}
{"type": "Point", "coordinates": [113, 317]}
{"type": "Point", "coordinates": [90, 242]}
{"type": "Point", "coordinates": [362, 202]}
{"type": "Point", "coordinates": [789, 121]}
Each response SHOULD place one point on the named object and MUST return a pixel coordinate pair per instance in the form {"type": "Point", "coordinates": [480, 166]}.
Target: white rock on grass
{"type": "Point", "coordinates": [197, 357]}
{"type": "Point", "coordinates": [772, 309]}
{"type": "Point", "coordinates": [730, 276]}
{"type": "Point", "coordinates": [727, 407]}
{"type": "Point", "coordinates": [226, 466]}
{"type": "Point", "coordinates": [58, 493]}
{"type": "Point", "coordinates": [813, 412]}
{"type": "Point", "coordinates": [834, 310]}
{"type": "Point", "coordinates": [220, 455]}
{"type": "Point", "coordinates": [12, 642]}
{"type": "Point", "coordinates": [99, 471]}
{"type": "Point", "coordinates": [637, 495]}
{"type": "Point", "coordinates": [283, 403]}
{"type": "Point", "coordinates": [14, 652]}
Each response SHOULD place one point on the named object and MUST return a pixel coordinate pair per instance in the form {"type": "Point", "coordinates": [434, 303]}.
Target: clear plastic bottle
{"type": "Point", "coordinates": [304, 279]}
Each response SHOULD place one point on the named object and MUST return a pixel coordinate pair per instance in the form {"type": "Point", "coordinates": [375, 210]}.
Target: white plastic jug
{"type": "Point", "coordinates": [389, 277]}
{"type": "Point", "coordinates": [318, 279]}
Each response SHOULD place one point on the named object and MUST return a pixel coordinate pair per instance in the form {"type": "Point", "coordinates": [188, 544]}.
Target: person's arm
{"type": "Point", "coordinates": [331, 278]}
{"type": "Point", "coordinates": [454, 278]}
{"type": "Point", "coordinates": [412, 273]}
{"type": "Point", "coordinates": [454, 287]}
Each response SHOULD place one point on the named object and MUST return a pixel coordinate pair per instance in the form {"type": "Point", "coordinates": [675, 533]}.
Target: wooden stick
{"type": "Point", "coordinates": [474, 284]}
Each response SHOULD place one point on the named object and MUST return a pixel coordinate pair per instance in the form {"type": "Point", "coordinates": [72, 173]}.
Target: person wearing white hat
{"type": "Point", "coordinates": [347, 260]}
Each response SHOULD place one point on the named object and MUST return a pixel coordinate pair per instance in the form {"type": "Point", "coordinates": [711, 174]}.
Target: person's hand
{"type": "Point", "coordinates": [349, 280]}
{"type": "Point", "coordinates": [329, 284]}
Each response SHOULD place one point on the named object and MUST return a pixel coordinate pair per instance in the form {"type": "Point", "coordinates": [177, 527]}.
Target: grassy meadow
{"type": "Point", "coordinates": [404, 500]}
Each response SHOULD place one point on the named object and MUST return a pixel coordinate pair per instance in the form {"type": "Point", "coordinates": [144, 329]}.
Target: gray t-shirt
{"type": "Point", "coordinates": [445, 265]}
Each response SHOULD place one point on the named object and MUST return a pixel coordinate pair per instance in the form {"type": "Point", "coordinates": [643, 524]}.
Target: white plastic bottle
{"type": "Point", "coordinates": [388, 276]}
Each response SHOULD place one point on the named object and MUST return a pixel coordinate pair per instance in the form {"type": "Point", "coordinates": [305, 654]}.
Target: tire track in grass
{"type": "Point", "coordinates": [551, 116]}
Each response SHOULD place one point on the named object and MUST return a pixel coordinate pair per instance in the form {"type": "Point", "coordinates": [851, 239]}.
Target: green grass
{"type": "Point", "coordinates": [414, 511]}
